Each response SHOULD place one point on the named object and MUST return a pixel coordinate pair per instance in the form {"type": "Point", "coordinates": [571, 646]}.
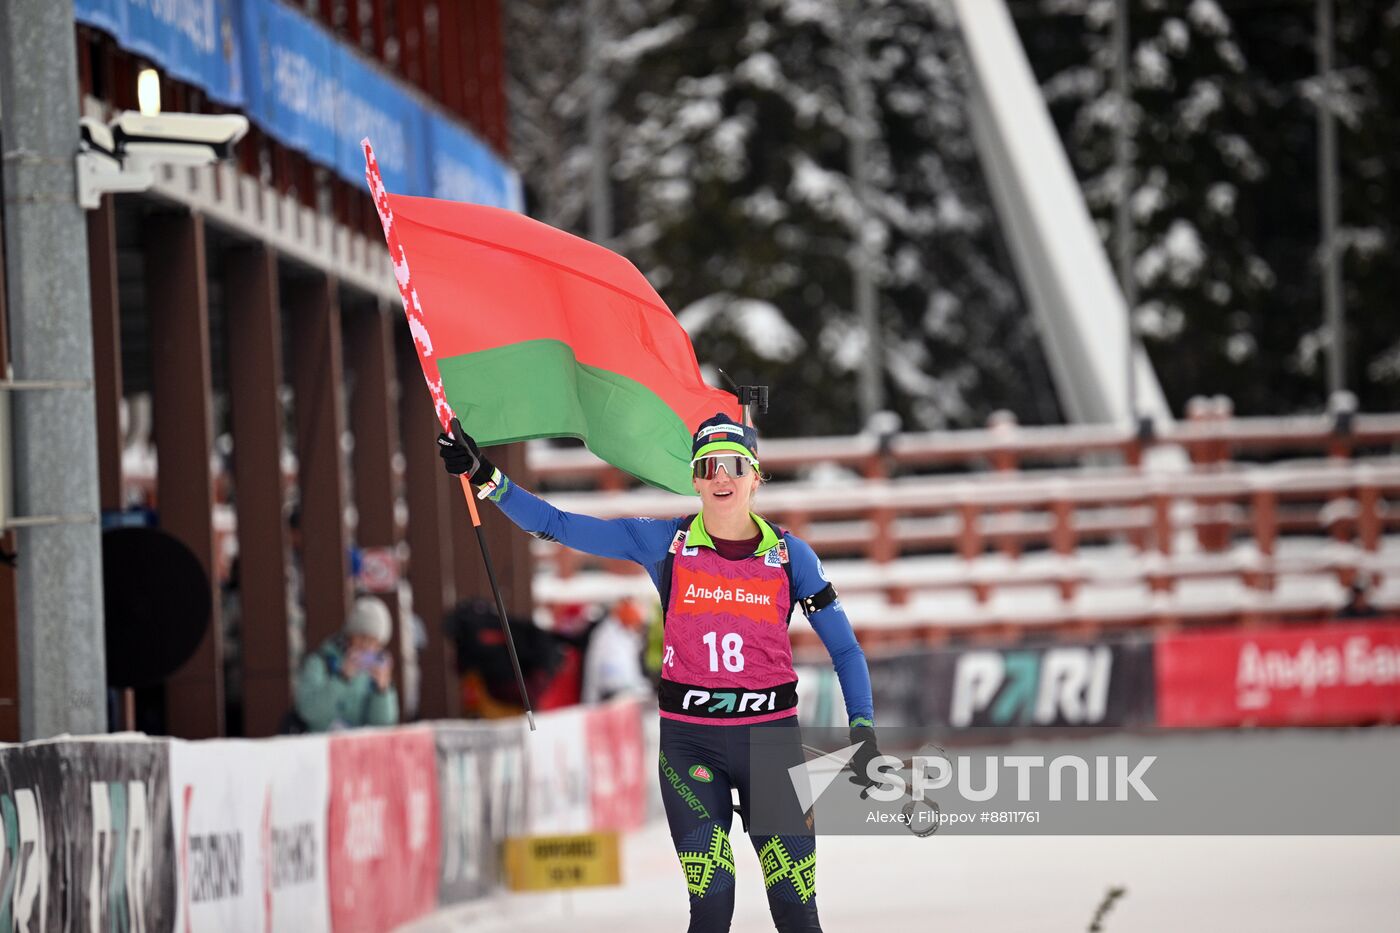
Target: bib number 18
{"type": "Point", "coordinates": [732, 649]}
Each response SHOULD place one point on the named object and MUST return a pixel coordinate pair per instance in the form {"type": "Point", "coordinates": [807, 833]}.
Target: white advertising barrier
{"type": "Point", "coordinates": [558, 799]}
{"type": "Point", "coordinates": [250, 834]}
{"type": "Point", "coordinates": [481, 783]}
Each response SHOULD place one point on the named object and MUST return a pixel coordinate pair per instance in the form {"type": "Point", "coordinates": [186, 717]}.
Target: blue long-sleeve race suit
{"type": "Point", "coordinates": [700, 763]}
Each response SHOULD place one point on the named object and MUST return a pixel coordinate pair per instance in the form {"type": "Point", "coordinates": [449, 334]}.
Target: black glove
{"type": "Point", "coordinates": [464, 456]}
{"type": "Point", "coordinates": [868, 752]}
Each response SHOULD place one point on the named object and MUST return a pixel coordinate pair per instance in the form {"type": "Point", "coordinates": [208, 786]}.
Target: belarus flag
{"type": "Point", "coordinates": [526, 331]}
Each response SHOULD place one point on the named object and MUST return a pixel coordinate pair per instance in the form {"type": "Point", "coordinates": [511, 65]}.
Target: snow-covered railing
{"type": "Point", "coordinates": [1227, 541]}
{"type": "Point", "coordinates": [1006, 446]}
{"type": "Point", "coordinates": [882, 518]}
{"type": "Point", "coordinates": [1002, 598]}
{"type": "Point", "coordinates": [1019, 489]}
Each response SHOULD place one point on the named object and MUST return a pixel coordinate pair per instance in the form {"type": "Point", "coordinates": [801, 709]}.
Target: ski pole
{"type": "Point", "coordinates": [470, 494]}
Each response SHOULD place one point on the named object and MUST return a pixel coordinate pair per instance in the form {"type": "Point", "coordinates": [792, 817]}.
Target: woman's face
{"type": "Point", "coordinates": [363, 644]}
{"type": "Point", "coordinates": [725, 494]}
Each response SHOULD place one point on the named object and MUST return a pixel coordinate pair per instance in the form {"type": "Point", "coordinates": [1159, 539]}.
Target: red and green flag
{"type": "Point", "coordinates": [525, 331]}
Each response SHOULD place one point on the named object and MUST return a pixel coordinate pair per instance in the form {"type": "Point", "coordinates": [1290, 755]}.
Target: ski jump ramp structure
{"type": "Point", "coordinates": [1060, 261]}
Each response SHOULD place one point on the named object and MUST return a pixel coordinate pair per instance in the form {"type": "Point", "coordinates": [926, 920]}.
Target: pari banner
{"type": "Point", "coordinates": [1060, 684]}
{"type": "Point", "coordinates": [1317, 676]}
{"type": "Point", "coordinates": [250, 834]}
{"type": "Point", "coordinates": [1339, 674]}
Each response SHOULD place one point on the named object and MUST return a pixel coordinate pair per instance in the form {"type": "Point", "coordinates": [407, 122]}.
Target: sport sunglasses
{"type": "Point", "coordinates": [735, 465]}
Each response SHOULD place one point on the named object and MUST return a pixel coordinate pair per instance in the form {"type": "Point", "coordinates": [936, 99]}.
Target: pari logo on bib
{"type": "Point", "coordinates": [701, 774]}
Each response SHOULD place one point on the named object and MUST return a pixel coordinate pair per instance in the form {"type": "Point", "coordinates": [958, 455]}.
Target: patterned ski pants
{"type": "Point", "coordinates": [699, 765]}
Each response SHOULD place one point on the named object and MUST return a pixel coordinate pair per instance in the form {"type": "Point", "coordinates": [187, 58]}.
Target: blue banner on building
{"type": "Point", "coordinates": [368, 105]}
{"type": "Point", "coordinates": [461, 168]}
{"type": "Point", "coordinates": [195, 41]}
{"type": "Point", "coordinates": [315, 95]}
{"type": "Point", "coordinates": [309, 92]}
{"type": "Point", "coordinates": [288, 68]}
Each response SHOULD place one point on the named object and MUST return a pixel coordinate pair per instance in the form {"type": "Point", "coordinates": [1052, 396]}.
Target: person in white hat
{"type": "Point", "coordinates": [348, 680]}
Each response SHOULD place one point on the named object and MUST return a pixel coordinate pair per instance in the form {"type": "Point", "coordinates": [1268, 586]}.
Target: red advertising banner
{"type": "Point", "coordinates": [1335, 675]}
{"type": "Point", "coordinates": [382, 829]}
{"type": "Point", "coordinates": [616, 766]}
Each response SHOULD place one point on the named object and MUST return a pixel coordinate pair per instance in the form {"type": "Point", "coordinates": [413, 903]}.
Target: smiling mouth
{"type": "Point", "coordinates": [723, 495]}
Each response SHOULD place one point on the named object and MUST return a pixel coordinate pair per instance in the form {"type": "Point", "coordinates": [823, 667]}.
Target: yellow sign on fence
{"type": "Point", "coordinates": [544, 863]}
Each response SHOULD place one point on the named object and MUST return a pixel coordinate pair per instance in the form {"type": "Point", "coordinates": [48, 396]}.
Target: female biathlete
{"type": "Point", "coordinates": [728, 581]}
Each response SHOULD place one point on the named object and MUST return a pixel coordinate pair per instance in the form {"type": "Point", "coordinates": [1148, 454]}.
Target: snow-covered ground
{"type": "Point", "coordinates": [1274, 883]}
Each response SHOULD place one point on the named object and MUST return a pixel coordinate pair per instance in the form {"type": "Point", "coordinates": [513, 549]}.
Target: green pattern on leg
{"type": "Point", "coordinates": [778, 865]}
{"type": "Point", "coordinates": [700, 866]}
{"type": "Point", "coordinates": [804, 876]}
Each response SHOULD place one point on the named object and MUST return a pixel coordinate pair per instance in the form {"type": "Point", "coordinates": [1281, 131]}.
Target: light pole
{"type": "Point", "coordinates": [1123, 246]}
{"type": "Point", "coordinates": [600, 214]}
{"type": "Point", "coordinates": [1334, 311]}
{"type": "Point", "coordinates": [870, 390]}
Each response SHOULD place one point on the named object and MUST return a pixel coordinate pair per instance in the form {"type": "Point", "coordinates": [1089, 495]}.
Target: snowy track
{"type": "Point", "coordinates": [1287, 883]}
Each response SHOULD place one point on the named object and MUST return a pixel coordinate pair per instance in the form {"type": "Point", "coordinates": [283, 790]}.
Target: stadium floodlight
{"type": "Point", "coordinates": [122, 155]}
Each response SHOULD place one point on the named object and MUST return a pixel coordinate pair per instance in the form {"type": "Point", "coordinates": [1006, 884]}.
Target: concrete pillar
{"type": "Point", "coordinates": [314, 363]}
{"type": "Point", "coordinates": [9, 620]}
{"type": "Point", "coordinates": [177, 302]}
{"type": "Point", "coordinates": [59, 641]}
{"type": "Point", "coordinates": [254, 334]}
